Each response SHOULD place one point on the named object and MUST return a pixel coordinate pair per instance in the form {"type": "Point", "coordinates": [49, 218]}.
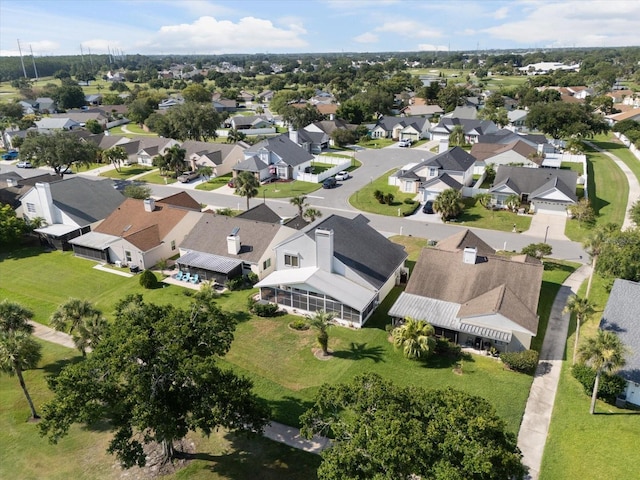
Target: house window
{"type": "Point", "coordinates": [173, 244]}
{"type": "Point", "coordinates": [433, 172]}
{"type": "Point", "coordinates": [266, 264]}
{"type": "Point", "coordinates": [31, 208]}
{"type": "Point", "coordinates": [127, 256]}
{"type": "Point", "coordinates": [291, 260]}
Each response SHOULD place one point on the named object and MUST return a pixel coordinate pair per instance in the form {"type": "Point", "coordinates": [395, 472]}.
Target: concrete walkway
{"type": "Point", "coordinates": [537, 414]}
{"type": "Point", "coordinates": [634, 186]}
{"type": "Point", "coordinates": [547, 227]}
{"type": "Point", "coordinates": [274, 431]}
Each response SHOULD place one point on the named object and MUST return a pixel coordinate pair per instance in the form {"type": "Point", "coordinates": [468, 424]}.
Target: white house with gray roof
{"type": "Point", "coordinates": [621, 317]}
{"type": "Point", "coordinates": [325, 267]}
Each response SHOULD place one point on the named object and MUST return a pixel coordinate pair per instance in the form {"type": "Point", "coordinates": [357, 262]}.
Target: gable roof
{"type": "Point", "coordinates": [290, 152]}
{"type": "Point", "coordinates": [375, 263]}
{"type": "Point", "coordinates": [260, 213]}
{"type": "Point", "coordinates": [389, 123]}
{"type": "Point", "coordinates": [465, 238]}
{"type": "Point", "coordinates": [210, 236]}
{"type": "Point", "coordinates": [484, 151]}
{"type": "Point", "coordinates": [621, 316]}
{"type": "Point", "coordinates": [49, 123]}
{"type": "Point", "coordinates": [144, 229]}
{"type": "Point", "coordinates": [455, 159]}
{"type": "Point", "coordinates": [181, 200]}
{"type": "Point", "coordinates": [534, 181]}
{"type": "Point", "coordinates": [464, 112]}
{"type": "Point", "coordinates": [11, 195]}
{"type": "Point", "coordinates": [85, 201]}
{"type": "Point", "coordinates": [470, 126]}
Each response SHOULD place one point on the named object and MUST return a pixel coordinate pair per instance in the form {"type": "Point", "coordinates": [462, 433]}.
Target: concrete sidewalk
{"type": "Point", "coordinates": [537, 414]}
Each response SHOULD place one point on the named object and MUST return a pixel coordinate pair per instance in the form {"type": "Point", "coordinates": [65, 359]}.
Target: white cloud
{"type": "Point", "coordinates": [100, 45]}
{"type": "Point", "coordinates": [501, 13]}
{"type": "Point", "coordinates": [249, 34]}
{"type": "Point", "coordinates": [408, 28]}
{"type": "Point", "coordinates": [367, 37]}
{"type": "Point", "coordinates": [426, 47]}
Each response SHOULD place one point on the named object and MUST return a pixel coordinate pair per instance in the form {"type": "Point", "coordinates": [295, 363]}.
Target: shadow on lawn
{"type": "Point", "coordinates": [360, 351]}
{"type": "Point", "coordinates": [447, 361]}
{"type": "Point", "coordinates": [13, 252]}
{"type": "Point", "coordinates": [52, 369]}
{"type": "Point", "coordinates": [288, 409]}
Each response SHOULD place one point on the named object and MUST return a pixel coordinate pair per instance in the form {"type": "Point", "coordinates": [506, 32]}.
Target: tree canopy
{"type": "Point", "coordinates": [247, 185]}
{"type": "Point", "coordinates": [619, 255]}
{"type": "Point", "coordinates": [11, 227]}
{"type": "Point", "coordinates": [560, 119]}
{"type": "Point", "coordinates": [383, 431]}
{"type": "Point", "coordinates": [154, 377]}
{"type": "Point", "coordinates": [190, 121]}
{"type": "Point", "coordinates": [448, 203]}
{"type": "Point", "coordinates": [58, 151]}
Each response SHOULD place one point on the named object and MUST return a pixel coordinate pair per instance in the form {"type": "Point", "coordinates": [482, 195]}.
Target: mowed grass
{"type": "Point", "coordinates": [475, 215]}
{"type": "Point", "coordinates": [287, 189]}
{"type": "Point", "coordinates": [580, 445]}
{"type": "Point", "coordinates": [608, 191]}
{"type": "Point", "coordinates": [126, 172]}
{"type": "Point", "coordinates": [364, 200]}
{"type": "Point", "coordinates": [215, 183]}
{"type": "Point", "coordinates": [82, 454]}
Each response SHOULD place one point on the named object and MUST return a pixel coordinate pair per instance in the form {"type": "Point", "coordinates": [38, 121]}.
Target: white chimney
{"type": "Point", "coordinates": [332, 116]}
{"type": "Point", "coordinates": [324, 249]}
{"type": "Point", "coordinates": [149, 204]}
{"type": "Point", "coordinates": [233, 242]}
{"type": "Point", "coordinates": [46, 202]}
{"type": "Point", "coordinates": [469, 255]}
{"type": "Point", "coordinates": [443, 146]}
{"type": "Point", "coordinates": [293, 135]}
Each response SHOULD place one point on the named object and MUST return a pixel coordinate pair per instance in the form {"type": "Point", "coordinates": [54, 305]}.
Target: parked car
{"type": "Point", "coordinates": [24, 164]}
{"type": "Point", "coordinates": [428, 207]}
{"type": "Point", "coordinates": [186, 177]}
{"type": "Point", "coordinates": [343, 175]}
{"type": "Point", "coordinates": [330, 183]}
{"type": "Point", "coordinates": [404, 143]}
{"type": "Point", "coordinates": [10, 155]}
{"type": "Point", "coordinates": [232, 183]}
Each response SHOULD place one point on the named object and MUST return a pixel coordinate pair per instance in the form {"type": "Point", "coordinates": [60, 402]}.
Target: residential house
{"type": "Point", "coordinates": [472, 296]}
{"type": "Point", "coordinates": [276, 157]}
{"type": "Point", "coordinates": [325, 267]}
{"type": "Point", "coordinates": [220, 247]}
{"type": "Point", "coordinates": [328, 127]}
{"type": "Point", "coordinates": [13, 187]}
{"type": "Point", "coordinates": [262, 213]}
{"type": "Point", "coordinates": [50, 124]}
{"type": "Point", "coordinates": [103, 141]}
{"type": "Point", "coordinates": [46, 105]}
{"type": "Point", "coordinates": [401, 128]}
{"type": "Point", "coordinates": [93, 99]}
{"type": "Point", "coordinates": [473, 129]}
{"type": "Point", "coordinates": [464, 112]}
{"type": "Point", "coordinates": [505, 136]}
{"type": "Point", "coordinates": [170, 102]}
{"type": "Point", "coordinates": [633, 114]}
{"type": "Point", "coordinates": [549, 191]}
{"type": "Point", "coordinates": [69, 207]}
{"type": "Point", "coordinates": [141, 232]}
{"type": "Point", "coordinates": [151, 147]}
{"type": "Point", "coordinates": [225, 105]}
{"type": "Point", "coordinates": [9, 136]}
{"type": "Point", "coordinates": [421, 110]}
{"type": "Point", "coordinates": [517, 120]}
{"type": "Point", "coordinates": [29, 107]}
{"type": "Point", "coordinates": [450, 169]}
{"type": "Point", "coordinates": [221, 157]}
{"type": "Point", "coordinates": [246, 96]}
{"type": "Point", "coordinates": [82, 117]}
{"type": "Point", "coordinates": [266, 96]}
{"type": "Point", "coordinates": [310, 141]}
{"type": "Point", "coordinates": [620, 316]}
{"type": "Point", "coordinates": [249, 122]}
{"type": "Point", "coordinates": [517, 152]}
{"type": "Point", "coordinates": [329, 110]}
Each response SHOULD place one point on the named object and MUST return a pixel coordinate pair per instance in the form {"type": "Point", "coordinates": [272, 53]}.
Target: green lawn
{"type": "Point", "coordinates": [287, 189]}
{"type": "Point", "coordinates": [608, 197]}
{"type": "Point", "coordinates": [475, 215]}
{"type": "Point", "coordinates": [126, 172]}
{"type": "Point", "coordinates": [376, 143]}
{"type": "Point", "coordinates": [215, 183]}
{"type": "Point", "coordinates": [82, 454]}
{"type": "Point", "coordinates": [158, 179]}
{"type": "Point", "coordinates": [613, 145]}
{"type": "Point", "coordinates": [364, 200]}
{"type": "Point", "coordinates": [580, 445]}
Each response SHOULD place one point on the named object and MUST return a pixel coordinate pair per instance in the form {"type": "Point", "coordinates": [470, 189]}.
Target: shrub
{"type": "Point", "coordinates": [389, 328]}
{"type": "Point", "coordinates": [388, 198]}
{"type": "Point", "coordinates": [378, 195]}
{"type": "Point", "coordinates": [610, 385]}
{"type": "Point", "coordinates": [299, 324]}
{"type": "Point", "coordinates": [237, 283]}
{"type": "Point", "coordinates": [525, 362]}
{"type": "Point", "coordinates": [148, 279]}
{"type": "Point", "coordinates": [265, 309]}
{"type": "Point", "coordinates": [447, 348]}
{"type": "Point", "coordinates": [409, 201]}
{"type": "Point", "coordinates": [252, 278]}
{"type": "Point", "coordinates": [227, 212]}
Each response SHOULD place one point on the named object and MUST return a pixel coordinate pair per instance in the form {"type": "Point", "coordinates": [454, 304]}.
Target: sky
{"type": "Point", "coordinates": [62, 27]}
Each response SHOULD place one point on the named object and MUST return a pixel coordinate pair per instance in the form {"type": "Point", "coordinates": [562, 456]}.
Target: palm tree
{"type": "Point", "coordinates": [80, 318]}
{"type": "Point", "coordinates": [115, 155]}
{"type": "Point", "coordinates": [18, 350]}
{"type": "Point", "coordinates": [593, 245]}
{"type": "Point", "coordinates": [581, 307]}
{"type": "Point", "coordinates": [484, 199]}
{"type": "Point", "coordinates": [416, 337]}
{"type": "Point", "coordinates": [206, 171]}
{"type": "Point", "coordinates": [321, 321]}
{"type": "Point", "coordinates": [299, 202]}
{"type": "Point", "coordinates": [311, 214]}
{"type": "Point", "coordinates": [513, 202]}
{"type": "Point", "coordinates": [235, 136]}
{"type": "Point", "coordinates": [247, 185]}
{"type": "Point", "coordinates": [173, 159]}
{"type": "Point", "coordinates": [605, 353]}
{"type": "Point", "coordinates": [448, 203]}
{"type": "Point", "coordinates": [456, 137]}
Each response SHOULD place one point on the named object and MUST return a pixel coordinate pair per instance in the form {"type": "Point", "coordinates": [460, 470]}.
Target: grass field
{"type": "Point", "coordinates": [126, 172]}
{"type": "Point", "coordinates": [287, 189]}
{"type": "Point", "coordinates": [476, 215]}
{"type": "Point", "coordinates": [214, 183]}
{"type": "Point", "coordinates": [364, 200]}
{"type": "Point", "coordinates": [158, 179]}
{"type": "Point", "coordinates": [580, 445]}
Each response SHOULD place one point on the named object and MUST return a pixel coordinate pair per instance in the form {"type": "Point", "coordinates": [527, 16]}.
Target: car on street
{"type": "Point", "coordinates": [10, 155]}
{"type": "Point", "coordinates": [404, 143]}
{"type": "Point", "coordinates": [330, 183]}
{"type": "Point", "coordinates": [343, 175]}
{"type": "Point", "coordinates": [24, 165]}
{"type": "Point", "coordinates": [428, 207]}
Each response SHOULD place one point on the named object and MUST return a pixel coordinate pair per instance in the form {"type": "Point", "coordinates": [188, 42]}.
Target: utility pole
{"type": "Point", "coordinates": [81, 54]}
{"type": "Point", "coordinates": [24, 70]}
{"type": "Point", "coordinates": [33, 59]}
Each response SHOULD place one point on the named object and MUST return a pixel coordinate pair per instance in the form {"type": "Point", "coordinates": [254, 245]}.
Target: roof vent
{"type": "Point", "coordinates": [470, 255]}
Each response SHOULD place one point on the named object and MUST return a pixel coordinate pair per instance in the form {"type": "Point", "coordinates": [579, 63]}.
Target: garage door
{"type": "Point", "coordinates": [550, 208]}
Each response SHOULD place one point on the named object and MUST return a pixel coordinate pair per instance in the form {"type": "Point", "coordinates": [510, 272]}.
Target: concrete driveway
{"type": "Point", "coordinates": [547, 227]}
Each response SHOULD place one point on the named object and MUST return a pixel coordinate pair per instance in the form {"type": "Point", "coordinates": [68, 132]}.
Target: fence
{"type": "Point", "coordinates": [339, 163]}
{"type": "Point", "coordinates": [628, 144]}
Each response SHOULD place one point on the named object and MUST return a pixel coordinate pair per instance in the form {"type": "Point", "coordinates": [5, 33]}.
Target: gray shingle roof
{"type": "Point", "coordinates": [375, 262]}
{"type": "Point", "coordinates": [85, 201]}
{"type": "Point", "coordinates": [621, 316]}
{"type": "Point", "coordinates": [260, 213]}
{"type": "Point", "coordinates": [534, 181]}
{"type": "Point", "coordinates": [455, 160]}
{"type": "Point", "coordinates": [252, 164]}
{"type": "Point", "coordinates": [290, 152]}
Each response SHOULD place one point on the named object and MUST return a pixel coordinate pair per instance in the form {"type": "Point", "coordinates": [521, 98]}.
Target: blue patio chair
{"type": "Point", "coordinates": [186, 277]}
{"type": "Point", "coordinates": [178, 276]}
{"type": "Point", "coordinates": [195, 279]}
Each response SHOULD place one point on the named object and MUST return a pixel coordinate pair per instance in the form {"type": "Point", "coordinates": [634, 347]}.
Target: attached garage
{"type": "Point", "coordinates": [549, 207]}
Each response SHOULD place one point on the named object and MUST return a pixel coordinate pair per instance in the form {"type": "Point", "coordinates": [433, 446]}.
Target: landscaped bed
{"type": "Point", "coordinates": [365, 200]}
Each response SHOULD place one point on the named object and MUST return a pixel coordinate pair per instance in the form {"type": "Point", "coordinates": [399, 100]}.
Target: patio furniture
{"type": "Point", "coordinates": [178, 276]}
{"type": "Point", "coordinates": [195, 279]}
{"type": "Point", "coordinates": [186, 277]}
